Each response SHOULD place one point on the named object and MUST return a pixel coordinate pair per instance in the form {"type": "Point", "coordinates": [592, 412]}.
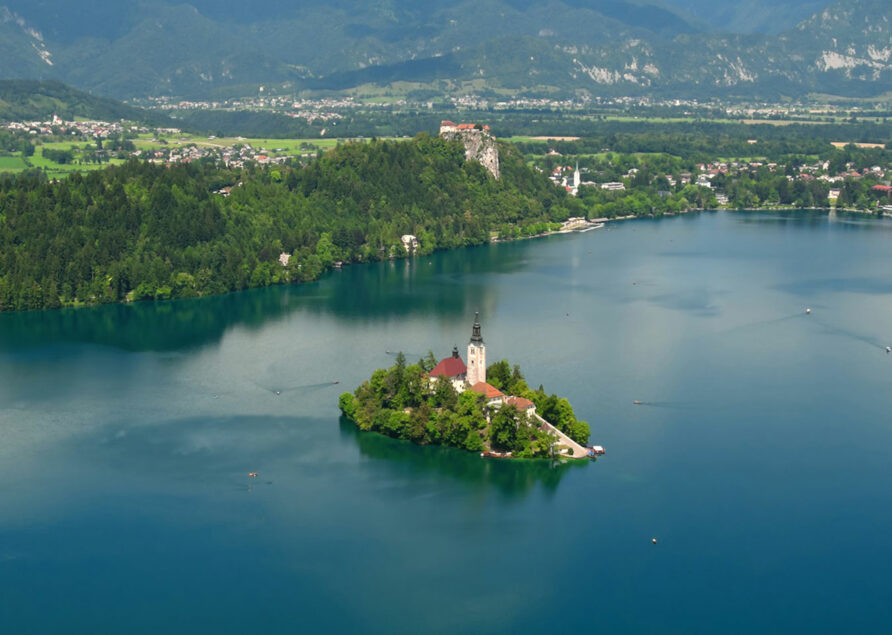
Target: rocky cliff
{"type": "Point", "coordinates": [479, 144]}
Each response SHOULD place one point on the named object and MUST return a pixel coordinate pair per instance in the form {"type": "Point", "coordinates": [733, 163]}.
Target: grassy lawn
{"type": "Point", "coordinates": [67, 145]}
{"type": "Point", "coordinates": [12, 164]}
{"type": "Point", "coordinates": [60, 170]}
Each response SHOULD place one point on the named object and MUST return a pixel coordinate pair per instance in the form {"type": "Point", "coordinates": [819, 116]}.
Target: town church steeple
{"type": "Point", "coordinates": [476, 354]}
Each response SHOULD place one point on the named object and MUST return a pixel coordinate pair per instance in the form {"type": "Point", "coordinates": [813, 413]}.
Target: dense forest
{"type": "Point", "coordinates": [401, 402]}
{"type": "Point", "coordinates": [145, 231]}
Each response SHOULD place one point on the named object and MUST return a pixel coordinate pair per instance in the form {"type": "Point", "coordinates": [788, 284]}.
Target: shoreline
{"type": "Point", "coordinates": [589, 225]}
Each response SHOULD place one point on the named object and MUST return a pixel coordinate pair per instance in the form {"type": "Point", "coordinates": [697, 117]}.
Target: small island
{"type": "Point", "coordinates": [483, 409]}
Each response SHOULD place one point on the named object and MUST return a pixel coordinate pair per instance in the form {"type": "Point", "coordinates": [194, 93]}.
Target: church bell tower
{"type": "Point", "coordinates": [476, 354]}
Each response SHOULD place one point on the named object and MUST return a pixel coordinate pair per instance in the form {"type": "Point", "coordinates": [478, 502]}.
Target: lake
{"type": "Point", "coordinates": [759, 456]}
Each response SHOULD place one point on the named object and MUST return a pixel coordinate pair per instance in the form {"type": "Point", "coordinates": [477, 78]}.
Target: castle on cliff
{"type": "Point", "coordinates": [480, 144]}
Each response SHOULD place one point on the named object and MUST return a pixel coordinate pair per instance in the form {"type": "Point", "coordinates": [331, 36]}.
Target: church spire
{"type": "Point", "coordinates": [476, 355]}
{"type": "Point", "coordinates": [476, 338]}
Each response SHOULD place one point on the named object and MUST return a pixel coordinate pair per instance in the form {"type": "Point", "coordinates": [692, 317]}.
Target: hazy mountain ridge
{"type": "Point", "coordinates": [750, 16]}
{"type": "Point", "coordinates": [22, 47]}
{"type": "Point", "coordinates": [559, 47]}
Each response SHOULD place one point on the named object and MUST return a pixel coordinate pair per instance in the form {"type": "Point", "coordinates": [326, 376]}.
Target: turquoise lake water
{"type": "Point", "coordinates": [759, 457]}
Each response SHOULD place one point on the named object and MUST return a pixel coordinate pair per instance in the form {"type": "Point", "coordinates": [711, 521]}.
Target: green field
{"type": "Point", "coordinates": [12, 164]}
{"type": "Point", "coordinates": [273, 147]}
{"type": "Point", "coordinates": [57, 170]}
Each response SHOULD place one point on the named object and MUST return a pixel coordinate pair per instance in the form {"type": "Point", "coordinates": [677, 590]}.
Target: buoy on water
{"type": "Point", "coordinates": [889, 349]}
{"type": "Point", "coordinates": [653, 540]}
{"type": "Point", "coordinates": [808, 311]}
{"type": "Point", "coordinates": [278, 392]}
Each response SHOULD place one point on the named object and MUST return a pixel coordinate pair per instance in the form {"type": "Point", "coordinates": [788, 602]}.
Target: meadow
{"type": "Point", "coordinates": [12, 163]}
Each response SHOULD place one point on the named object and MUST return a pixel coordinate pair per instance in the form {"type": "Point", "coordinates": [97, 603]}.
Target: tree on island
{"type": "Point", "coordinates": [402, 402]}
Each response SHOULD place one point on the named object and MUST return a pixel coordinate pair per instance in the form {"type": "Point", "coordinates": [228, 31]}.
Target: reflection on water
{"type": "Point", "coordinates": [759, 438]}
{"type": "Point", "coordinates": [442, 286]}
{"type": "Point", "coordinates": [808, 287]}
{"type": "Point", "coordinates": [200, 449]}
{"type": "Point", "coordinates": [513, 479]}
{"type": "Point", "coordinates": [802, 218]}
{"type": "Point", "coordinates": [148, 326]}
{"type": "Point", "coordinates": [852, 221]}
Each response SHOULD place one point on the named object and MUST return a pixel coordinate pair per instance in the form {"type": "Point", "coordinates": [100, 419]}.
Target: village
{"type": "Point", "coordinates": [108, 142]}
{"type": "Point", "coordinates": [328, 108]}
{"type": "Point", "coordinates": [716, 175]}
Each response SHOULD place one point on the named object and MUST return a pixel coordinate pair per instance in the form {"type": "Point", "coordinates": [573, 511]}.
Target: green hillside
{"type": "Point", "coordinates": [142, 231]}
{"type": "Point", "coordinates": [30, 100]}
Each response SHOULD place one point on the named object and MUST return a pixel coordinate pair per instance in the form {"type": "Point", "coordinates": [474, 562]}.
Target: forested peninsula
{"type": "Point", "coordinates": [143, 231]}
{"type": "Point", "coordinates": [405, 402]}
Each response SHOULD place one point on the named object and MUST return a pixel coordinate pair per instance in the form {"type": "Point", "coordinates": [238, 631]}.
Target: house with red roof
{"type": "Point", "coordinates": [452, 368]}
{"type": "Point", "coordinates": [494, 396]}
{"type": "Point", "coordinates": [522, 405]}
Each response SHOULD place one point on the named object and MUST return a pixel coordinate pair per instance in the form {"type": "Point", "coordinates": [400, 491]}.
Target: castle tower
{"type": "Point", "coordinates": [476, 355]}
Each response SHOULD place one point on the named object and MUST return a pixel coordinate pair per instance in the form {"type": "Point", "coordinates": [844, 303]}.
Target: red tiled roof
{"type": "Point", "coordinates": [882, 188]}
{"type": "Point", "coordinates": [447, 123]}
{"type": "Point", "coordinates": [520, 403]}
{"type": "Point", "coordinates": [490, 392]}
{"type": "Point", "coordinates": [450, 367]}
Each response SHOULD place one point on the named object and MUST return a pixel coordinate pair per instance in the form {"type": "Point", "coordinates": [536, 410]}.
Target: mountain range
{"type": "Point", "coordinates": [683, 48]}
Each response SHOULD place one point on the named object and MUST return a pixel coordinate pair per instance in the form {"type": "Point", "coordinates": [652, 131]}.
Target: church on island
{"type": "Point", "coordinates": [473, 375]}
{"type": "Point", "coordinates": [408, 402]}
